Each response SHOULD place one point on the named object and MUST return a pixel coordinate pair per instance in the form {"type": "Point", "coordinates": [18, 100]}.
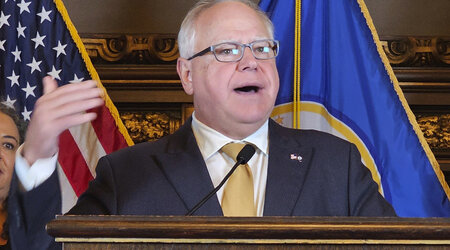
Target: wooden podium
{"type": "Point", "coordinates": [176, 232]}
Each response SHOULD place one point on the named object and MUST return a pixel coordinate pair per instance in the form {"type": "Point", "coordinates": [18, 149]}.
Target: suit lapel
{"type": "Point", "coordinates": [286, 171]}
{"type": "Point", "coordinates": [185, 168]}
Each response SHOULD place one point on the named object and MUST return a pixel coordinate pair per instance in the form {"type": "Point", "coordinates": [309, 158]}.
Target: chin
{"type": "Point", "coordinates": [253, 118]}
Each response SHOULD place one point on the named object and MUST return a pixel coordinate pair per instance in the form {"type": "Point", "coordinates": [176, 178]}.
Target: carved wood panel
{"type": "Point", "coordinates": [131, 49]}
{"type": "Point", "coordinates": [417, 51]}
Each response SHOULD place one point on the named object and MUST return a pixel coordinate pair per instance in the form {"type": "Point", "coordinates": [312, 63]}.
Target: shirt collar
{"type": "Point", "coordinates": [210, 141]}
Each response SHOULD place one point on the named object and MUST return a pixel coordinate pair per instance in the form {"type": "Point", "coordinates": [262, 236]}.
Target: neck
{"type": "Point", "coordinates": [238, 132]}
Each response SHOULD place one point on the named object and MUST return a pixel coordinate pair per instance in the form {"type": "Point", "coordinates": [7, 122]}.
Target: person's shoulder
{"type": "Point", "coordinates": [309, 135]}
{"type": "Point", "coordinates": [151, 147]}
{"type": "Point", "coordinates": [322, 136]}
{"type": "Point", "coordinates": [177, 141]}
{"type": "Point", "coordinates": [321, 139]}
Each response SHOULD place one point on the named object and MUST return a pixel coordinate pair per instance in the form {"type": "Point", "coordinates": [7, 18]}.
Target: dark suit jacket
{"type": "Point", "coordinates": [29, 212]}
{"type": "Point", "coordinates": [169, 176]}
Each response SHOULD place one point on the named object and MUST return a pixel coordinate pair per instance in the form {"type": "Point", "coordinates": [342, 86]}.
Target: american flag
{"type": "Point", "coordinates": [38, 39]}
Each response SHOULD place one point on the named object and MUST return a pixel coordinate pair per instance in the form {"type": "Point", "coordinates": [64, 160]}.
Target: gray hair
{"type": "Point", "coordinates": [186, 36]}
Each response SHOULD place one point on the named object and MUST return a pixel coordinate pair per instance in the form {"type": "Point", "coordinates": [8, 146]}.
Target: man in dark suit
{"type": "Point", "coordinates": [293, 172]}
{"type": "Point", "coordinates": [169, 177]}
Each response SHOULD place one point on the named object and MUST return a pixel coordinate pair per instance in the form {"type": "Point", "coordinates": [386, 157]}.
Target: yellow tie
{"type": "Point", "coordinates": [238, 199]}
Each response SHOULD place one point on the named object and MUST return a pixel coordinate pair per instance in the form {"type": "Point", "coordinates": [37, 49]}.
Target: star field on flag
{"type": "Point", "coordinates": [34, 43]}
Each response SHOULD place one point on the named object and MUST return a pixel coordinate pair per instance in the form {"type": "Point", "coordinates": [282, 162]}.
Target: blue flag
{"type": "Point", "coordinates": [335, 77]}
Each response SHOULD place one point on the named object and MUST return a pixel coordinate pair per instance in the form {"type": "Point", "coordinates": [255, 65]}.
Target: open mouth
{"type": "Point", "coordinates": [248, 89]}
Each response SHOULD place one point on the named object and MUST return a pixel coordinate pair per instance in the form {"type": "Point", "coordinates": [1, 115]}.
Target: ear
{"type": "Point", "coordinates": [185, 74]}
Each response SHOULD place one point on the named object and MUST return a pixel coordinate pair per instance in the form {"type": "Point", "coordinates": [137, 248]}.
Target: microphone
{"type": "Point", "coordinates": [243, 157]}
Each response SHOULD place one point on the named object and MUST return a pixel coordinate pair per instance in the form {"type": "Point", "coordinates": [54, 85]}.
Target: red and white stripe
{"type": "Point", "coordinates": [80, 148]}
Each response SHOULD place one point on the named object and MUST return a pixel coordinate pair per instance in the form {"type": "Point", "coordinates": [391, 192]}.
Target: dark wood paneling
{"type": "Point", "coordinates": [393, 18]}
{"type": "Point", "coordinates": [173, 232]}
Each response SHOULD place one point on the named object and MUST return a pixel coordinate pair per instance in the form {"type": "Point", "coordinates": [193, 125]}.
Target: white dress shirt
{"type": "Point", "coordinates": [32, 176]}
{"type": "Point", "coordinates": [219, 164]}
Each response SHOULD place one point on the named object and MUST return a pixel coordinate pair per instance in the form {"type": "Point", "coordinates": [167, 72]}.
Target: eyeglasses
{"type": "Point", "coordinates": [234, 51]}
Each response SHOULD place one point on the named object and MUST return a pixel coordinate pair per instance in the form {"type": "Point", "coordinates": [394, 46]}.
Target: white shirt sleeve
{"type": "Point", "coordinates": [32, 176]}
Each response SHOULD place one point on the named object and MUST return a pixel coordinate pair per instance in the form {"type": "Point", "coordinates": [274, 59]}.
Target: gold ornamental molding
{"type": "Point", "coordinates": [417, 51]}
{"type": "Point", "coordinates": [436, 129]}
{"type": "Point", "coordinates": [149, 126]}
{"type": "Point", "coordinates": [131, 49]}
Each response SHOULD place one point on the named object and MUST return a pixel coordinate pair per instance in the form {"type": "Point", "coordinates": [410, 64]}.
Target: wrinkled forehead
{"type": "Point", "coordinates": [229, 21]}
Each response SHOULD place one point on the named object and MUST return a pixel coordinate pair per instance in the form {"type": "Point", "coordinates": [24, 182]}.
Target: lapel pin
{"type": "Point", "coordinates": [296, 157]}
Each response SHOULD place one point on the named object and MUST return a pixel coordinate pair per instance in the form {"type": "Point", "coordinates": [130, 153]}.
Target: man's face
{"type": "Point", "coordinates": [234, 98]}
{"type": "Point", "coordinates": [9, 142]}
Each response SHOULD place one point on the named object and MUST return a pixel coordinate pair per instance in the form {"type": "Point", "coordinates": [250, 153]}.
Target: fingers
{"type": "Point", "coordinates": [67, 122]}
{"type": "Point", "coordinates": [73, 114]}
{"type": "Point", "coordinates": [50, 84]}
{"type": "Point", "coordinates": [57, 110]}
{"type": "Point", "coordinates": [68, 99]}
{"type": "Point", "coordinates": [68, 103]}
{"type": "Point", "coordinates": [69, 93]}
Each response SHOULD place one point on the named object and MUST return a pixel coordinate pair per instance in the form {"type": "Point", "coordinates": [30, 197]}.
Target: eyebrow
{"type": "Point", "coordinates": [11, 137]}
{"type": "Point", "coordinates": [233, 40]}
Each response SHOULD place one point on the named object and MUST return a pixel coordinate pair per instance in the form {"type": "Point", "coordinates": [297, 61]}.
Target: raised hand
{"type": "Point", "coordinates": [58, 109]}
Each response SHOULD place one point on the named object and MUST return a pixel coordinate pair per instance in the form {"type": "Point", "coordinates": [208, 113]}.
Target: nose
{"type": "Point", "coordinates": [248, 61]}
